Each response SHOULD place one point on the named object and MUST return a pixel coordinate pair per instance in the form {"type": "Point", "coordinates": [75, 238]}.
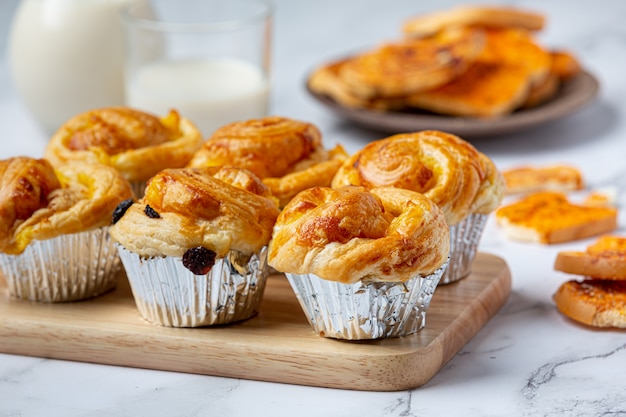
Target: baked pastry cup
{"type": "Point", "coordinates": [195, 246]}
{"type": "Point", "coordinates": [363, 264]}
{"type": "Point", "coordinates": [462, 181]}
{"type": "Point", "coordinates": [287, 154]}
{"type": "Point", "coordinates": [54, 244]}
{"type": "Point", "coordinates": [135, 143]}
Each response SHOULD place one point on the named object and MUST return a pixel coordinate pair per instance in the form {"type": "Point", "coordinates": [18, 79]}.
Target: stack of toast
{"type": "Point", "coordinates": [599, 299]}
{"type": "Point", "coordinates": [468, 61]}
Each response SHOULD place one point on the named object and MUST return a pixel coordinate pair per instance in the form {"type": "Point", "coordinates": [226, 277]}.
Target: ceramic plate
{"type": "Point", "coordinates": [572, 96]}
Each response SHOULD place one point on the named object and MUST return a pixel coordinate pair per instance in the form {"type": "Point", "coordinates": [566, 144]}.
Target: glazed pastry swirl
{"type": "Point", "coordinates": [38, 203]}
{"type": "Point", "coordinates": [350, 234]}
{"type": "Point", "coordinates": [445, 168]}
{"type": "Point", "coordinates": [218, 208]}
{"type": "Point", "coordinates": [135, 143]}
{"type": "Point", "coordinates": [286, 154]}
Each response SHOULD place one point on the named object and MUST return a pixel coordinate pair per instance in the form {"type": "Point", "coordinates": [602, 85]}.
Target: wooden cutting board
{"type": "Point", "coordinates": [277, 345]}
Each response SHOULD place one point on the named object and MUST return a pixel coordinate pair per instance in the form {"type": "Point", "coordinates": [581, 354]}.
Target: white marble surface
{"type": "Point", "coordinates": [527, 361]}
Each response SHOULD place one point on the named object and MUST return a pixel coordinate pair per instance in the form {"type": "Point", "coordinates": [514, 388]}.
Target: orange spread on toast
{"type": "Point", "coordinates": [548, 217]}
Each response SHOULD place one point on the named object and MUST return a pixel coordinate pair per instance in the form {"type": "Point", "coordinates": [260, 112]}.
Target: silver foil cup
{"type": "Point", "coordinates": [66, 268]}
{"type": "Point", "coordinates": [464, 240]}
{"type": "Point", "coordinates": [168, 294]}
{"type": "Point", "coordinates": [360, 311]}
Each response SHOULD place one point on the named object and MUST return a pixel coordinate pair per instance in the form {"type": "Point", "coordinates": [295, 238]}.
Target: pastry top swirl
{"type": "Point", "coordinates": [39, 202]}
{"type": "Point", "coordinates": [443, 167]}
{"type": "Point", "coordinates": [135, 143]}
{"type": "Point", "coordinates": [218, 208]}
{"type": "Point", "coordinates": [350, 234]}
{"type": "Point", "coordinates": [286, 154]}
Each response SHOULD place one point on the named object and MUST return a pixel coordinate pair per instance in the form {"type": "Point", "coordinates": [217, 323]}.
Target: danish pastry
{"type": "Point", "coordinates": [195, 246]}
{"type": "Point", "coordinates": [410, 66]}
{"type": "Point", "coordinates": [286, 154]}
{"type": "Point", "coordinates": [54, 244]}
{"type": "Point", "coordinates": [445, 168]}
{"type": "Point", "coordinates": [605, 259]}
{"type": "Point", "coordinates": [594, 302]}
{"type": "Point", "coordinates": [349, 235]}
{"type": "Point", "coordinates": [549, 217]}
{"type": "Point", "coordinates": [39, 203]}
{"type": "Point", "coordinates": [327, 80]}
{"type": "Point", "coordinates": [135, 143]}
{"type": "Point", "coordinates": [218, 208]}
{"type": "Point", "coordinates": [481, 16]}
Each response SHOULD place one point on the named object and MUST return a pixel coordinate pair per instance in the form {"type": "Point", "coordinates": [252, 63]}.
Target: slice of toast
{"type": "Point", "coordinates": [528, 179]}
{"type": "Point", "coordinates": [605, 259]}
{"type": "Point", "coordinates": [508, 68]}
{"type": "Point", "coordinates": [484, 90]}
{"type": "Point", "coordinates": [498, 17]}
{"type": "Point", "coordinates": [598, 303]}
{"type": "Point", "coordinates": [548, 217]}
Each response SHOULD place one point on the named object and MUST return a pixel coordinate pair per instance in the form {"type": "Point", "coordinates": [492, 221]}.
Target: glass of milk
{"type": "Point", "coordinates": [208, 59]}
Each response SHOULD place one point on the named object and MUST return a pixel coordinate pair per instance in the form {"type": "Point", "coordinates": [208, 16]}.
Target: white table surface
{"type": "Point", "coordinates": [528, 360]}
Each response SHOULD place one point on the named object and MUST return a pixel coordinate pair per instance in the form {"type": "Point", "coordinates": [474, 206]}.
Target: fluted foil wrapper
{"type": "Point", "coordinates": [464, 239]}
{"type": "Point", "coordinates": [66, 268]}
{"type": "Point", "coordinates": [168, 294]}
{"type": "Point", "coordinates": [360, 311]}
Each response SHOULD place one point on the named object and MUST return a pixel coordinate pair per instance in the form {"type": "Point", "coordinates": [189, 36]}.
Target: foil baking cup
{"type": "Point", "coordinates": [361, 310]}
{"type": "Point", "coordinates": [168, 294]}
{"type": "Point", "coordinates": [464, 240]}
{"type": "Point", "coordinates": [66, 268]}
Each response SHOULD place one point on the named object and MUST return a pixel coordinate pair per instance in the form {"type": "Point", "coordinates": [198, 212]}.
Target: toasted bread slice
{"type": "Point", "coordinates": [326, 80]}
{"type": "Point", "coordinates": [542, 92]}
{"type": "Point", "coordinates": [605, 259]}
{"type": "Point", "coordinates": [517, 47]}
{"type": "Point", "coordinates": [409, 66]}
{"type": "Point", "coordinates": [498, 17]}
{"type": "Point", "coordinates": [484, 90]}
{"type": "Point", "coordinates": [598, 303]}
{"type": "Point", "coordinates": [528, 179]}
{"type": "Point", "coordinates": [548, 217]}
{"type": "Point", "coordinates": [500, 81]}
{"type": "Point", "coordinates": [565, 65]}
{"type": "Point", "coordinates": [602, 197]}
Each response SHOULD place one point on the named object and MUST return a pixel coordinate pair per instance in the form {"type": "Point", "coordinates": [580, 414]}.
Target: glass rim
{"type": "Point", "coordinates": [129, 17]}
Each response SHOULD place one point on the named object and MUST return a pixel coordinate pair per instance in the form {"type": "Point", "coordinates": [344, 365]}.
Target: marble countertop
{"type": "Point", "coordinates": [528, 360]}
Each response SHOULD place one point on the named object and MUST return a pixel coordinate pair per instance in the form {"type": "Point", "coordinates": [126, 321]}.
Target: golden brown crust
{"type": "Point", "coordinates": [542, 92]}
{"type": "Point", "coordinates": [135, 143]}
{"type": "Point", "coordinates": [75, 198]}
{"type": "Point", "coordinates": [565, 65]}
{"type": "Point", "coordinates": [287, 154]}
{"type": "Point", "coordinates": [218, 208]}
{"type": "Point", "coordinates": [470, 15]}
{"type": "Point", "coordinates": [528, 179]}
{"type": "Point", "coordinates": [410, 66]}
{"type": "Point", "coordinates": [484, 90]}
{"type": "Point", "coordinates": [510, 67]}
{"type": "Point", "coordinates": [326, 80]}
{"type": "Point", "coordinates": [349, 234]}
{"type": "Point", "coordinates": [605, 259]}
{"type": "Point", "coordinates": [445, 168]}
{"type": "Point", "coordinates": [598, 303]}
{"type": "Point", "coordinates": [548, 217]}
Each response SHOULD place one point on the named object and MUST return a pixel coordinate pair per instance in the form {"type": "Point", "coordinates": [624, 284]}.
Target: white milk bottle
{"type": "Point", "coordinates": [67, 57]}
